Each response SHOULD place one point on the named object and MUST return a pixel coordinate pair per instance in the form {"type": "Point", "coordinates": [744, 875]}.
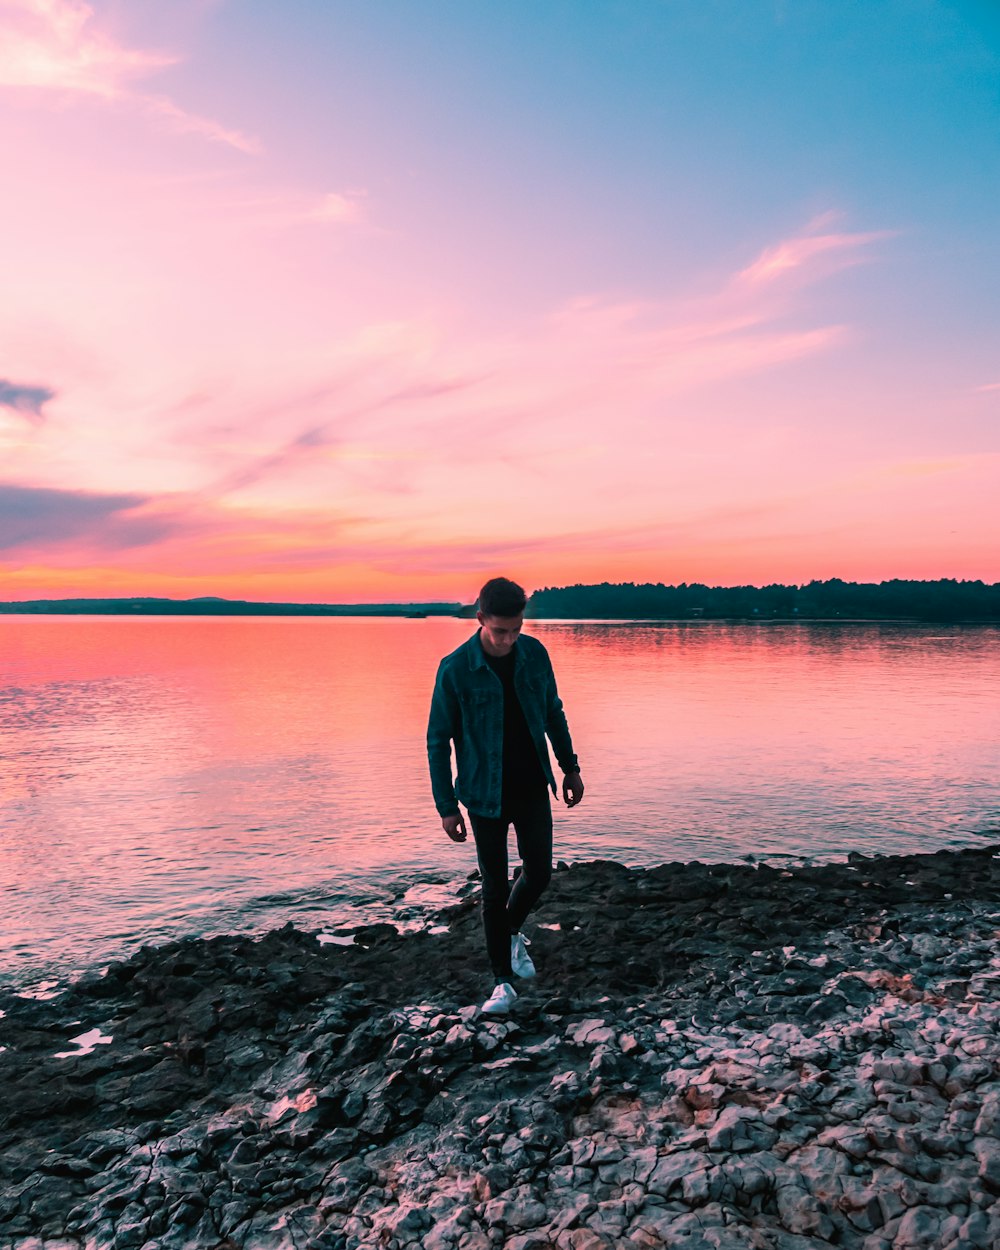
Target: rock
{"type": "Point", "coordinates": [518, 1209]}
{"type": "Point", "coordinates": [590, 1033]}
{"type": "Point", "coordinates": [988, 1121]}
{"type": "Point", "coordinates": [526, 1241]}
{"type": "Point", "coordinates": [583, 1239]}
{"type": "Point", "coordinates": [407, 1223]}
{"type": "Point", "coordinates": [987, 1152]}
{"type": "Point", "coordinates": [670, 1171]}
{"type": "Point", "coordinates": [686, 1087]}
{"type": "Point", "coordinates": [801, 1213]}
{"type": "Point", "coordinates": [919, 1229]}
{"type": "Point", "coordinates": [740, 1129]}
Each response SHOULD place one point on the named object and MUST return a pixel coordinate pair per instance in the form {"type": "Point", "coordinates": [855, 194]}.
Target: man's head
{"type": "Point", "coordinates": [501, 613]}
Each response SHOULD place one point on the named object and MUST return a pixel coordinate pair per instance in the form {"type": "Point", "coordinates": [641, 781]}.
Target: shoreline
{"type": "Point", "coordinates": [411, 902]}
{"type": "Point", "coordinates": [712, 1054]}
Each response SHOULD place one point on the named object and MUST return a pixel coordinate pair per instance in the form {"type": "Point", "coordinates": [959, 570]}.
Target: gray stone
{"type": "Point", "coordinates": [696, 1186]}
{"type": "Point", "coordinates": [475, 1239]}
{"type": "Point", "coordinates": [801, 1213]}
{"type": "Point", "coordinates": [518, 1209]}
{"type": "Point", "coordinates": [852, 1140]}
{"type": "Point", "coordinates": [590, 1033]}
{"type": "Point", "coordinates": [976, 1228]}
{"type": "Point", "coordinates": [526, 1241]}
{"type": "Point", "coordinates": [861, 1206]}
{"type": "Point", "coordinates": [919, 1229]}
{"type": "Point", "coordinates": [582, 1152]}
{"type": "Point", "coordinates": [583, 1239]}
{"type": "Point", "coordinates": [987, 1152]}
{"type": "Point", "coordinates": [904, 1070]}
{"type": "Point", "coordinates": [608, 1150]}
{"type": "Point", "coordinates": [739, 1129]}
{"type": "Point", "coordinates": [569, 1210]}
{"type": "Point", "coordinates": [988, 1121]}
{"type": "Point", "coordinates": [670, 1171]}
{"type": "Point", "coordinates": [408, 1222]}
{"type": "Point", "coordinates": [608, 1220]}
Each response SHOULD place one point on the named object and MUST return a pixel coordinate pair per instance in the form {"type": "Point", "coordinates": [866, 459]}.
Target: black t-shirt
{"type": "Point", "coordinates": [523, 776]}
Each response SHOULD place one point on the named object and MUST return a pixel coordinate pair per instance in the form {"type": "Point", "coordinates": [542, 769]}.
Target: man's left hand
{"type": "Point", "coordinates": [572, 789]}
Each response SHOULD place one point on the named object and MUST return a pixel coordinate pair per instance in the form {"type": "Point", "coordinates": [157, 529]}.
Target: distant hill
{"type": "Point", "coordinates": [944, 600]}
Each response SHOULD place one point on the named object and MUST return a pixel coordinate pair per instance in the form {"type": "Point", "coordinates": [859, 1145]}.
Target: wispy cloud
{"type": "Point", "coordinates": [331, 435]}
{"type": "Point", "coordinates": [411, 400]}
{"type": "Point", "coordinates": [807, 250]}
{"type": "Point", "coordinates": [58, 46]}
{"type": "Point", "coordinates": [190, 123]}
{"type": "Point", "coordinates": [27, 401]}
{"type": "Point", "coordinates": [989, 386]}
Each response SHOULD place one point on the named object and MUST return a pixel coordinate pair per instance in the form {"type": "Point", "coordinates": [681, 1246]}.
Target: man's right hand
{"type": "Point", "coordinates": [454, 827]}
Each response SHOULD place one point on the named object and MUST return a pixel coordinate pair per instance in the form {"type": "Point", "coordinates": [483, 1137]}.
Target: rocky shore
{"type": "Point", "coordinates": [711, 1056]}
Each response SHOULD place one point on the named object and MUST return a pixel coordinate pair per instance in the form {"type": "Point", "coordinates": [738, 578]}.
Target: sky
{"type": "Point", "coordinates": [368, 302]}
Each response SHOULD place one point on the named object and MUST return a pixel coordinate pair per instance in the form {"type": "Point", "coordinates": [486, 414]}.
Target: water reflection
{"type": "Point", "coordinates": [186, 775]}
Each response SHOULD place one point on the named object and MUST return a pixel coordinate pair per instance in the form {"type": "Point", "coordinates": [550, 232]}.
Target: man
{"type": "Point", "coordinates": [495, 697]}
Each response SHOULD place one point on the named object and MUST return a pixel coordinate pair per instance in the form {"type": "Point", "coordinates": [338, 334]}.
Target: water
{"type": "Point", "coordinates": [165, 776]}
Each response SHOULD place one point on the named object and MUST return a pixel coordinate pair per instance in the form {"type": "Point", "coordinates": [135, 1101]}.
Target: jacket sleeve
{"type": "Point", "coordinates": [557, 728]}
{"type": "Point", "coordinates": [441, 728]}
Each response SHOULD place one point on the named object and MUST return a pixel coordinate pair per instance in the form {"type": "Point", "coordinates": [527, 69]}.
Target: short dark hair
{"type": "Point", "coordinates": [502, 597]}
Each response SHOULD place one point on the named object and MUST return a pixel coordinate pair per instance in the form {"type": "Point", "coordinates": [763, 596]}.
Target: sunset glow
{"type": "Point", "coordinates": [370, 302]}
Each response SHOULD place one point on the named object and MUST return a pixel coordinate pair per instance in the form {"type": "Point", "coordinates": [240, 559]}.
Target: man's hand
{"type": "Point", "coordinates": [454, 827]}
{"type": "Point", "coordinates": [572, 789]}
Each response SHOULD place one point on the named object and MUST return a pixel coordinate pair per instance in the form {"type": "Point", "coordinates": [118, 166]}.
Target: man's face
{"type": "Point", "coordinates": [499, 632]}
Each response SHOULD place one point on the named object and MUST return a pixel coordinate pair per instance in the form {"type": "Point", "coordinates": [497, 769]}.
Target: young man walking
{"type": "Point", "coordinates": [495, 697]}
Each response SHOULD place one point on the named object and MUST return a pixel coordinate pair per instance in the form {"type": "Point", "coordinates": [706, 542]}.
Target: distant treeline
{"type": "Point", "coordinates": [944, 600]}
{"type": "Point", "coordinates": [211, 606]}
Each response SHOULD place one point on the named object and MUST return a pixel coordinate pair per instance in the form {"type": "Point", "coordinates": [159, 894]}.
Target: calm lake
{"type": "Point", "coordinates": [170, 776]}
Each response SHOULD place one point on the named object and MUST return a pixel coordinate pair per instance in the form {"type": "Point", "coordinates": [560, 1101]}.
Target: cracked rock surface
{"type": "Point", "coordinates": [711, 1056]}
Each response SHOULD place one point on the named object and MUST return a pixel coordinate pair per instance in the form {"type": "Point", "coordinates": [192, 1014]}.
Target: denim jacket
{"type": "Point", "coordinates": [467, 709]}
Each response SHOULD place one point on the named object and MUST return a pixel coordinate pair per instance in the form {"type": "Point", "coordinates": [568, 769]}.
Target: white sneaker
{"type": "Point", "coordinates": [520, 960]}
{"type": "Point", "coordinates": [501, 1000]}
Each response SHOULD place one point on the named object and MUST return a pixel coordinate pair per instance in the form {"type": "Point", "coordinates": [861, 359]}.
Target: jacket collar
{"type": "Point", "coordinates": [477, 656]}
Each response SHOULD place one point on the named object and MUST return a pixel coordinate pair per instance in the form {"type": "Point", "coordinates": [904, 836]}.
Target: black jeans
{"type": "Point", "coordinates": [505, 909]}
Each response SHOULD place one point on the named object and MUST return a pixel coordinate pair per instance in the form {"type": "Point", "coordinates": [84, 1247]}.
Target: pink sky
{"type": "Point", "coordinates": [280, 322]}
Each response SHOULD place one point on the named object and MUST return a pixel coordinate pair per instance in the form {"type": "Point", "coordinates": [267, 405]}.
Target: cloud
{"type": "Point", "coordinates": [25, 400]}
{"type": "Point", "coordinates": [51, 44]}
{"type": "Point", "coordinates": [376, 450]}
{"type": "Point", "coordinates": [330, 434]}
{"type": "Point", "coordinates": [55, 45]}
{"type": "Point", "coordinates": [987, 387]}
{"type": "Point", "coordinates": [191, 123]}
{"type": "Point", "coordinates": [280, 210]}
{"type": "Point", "coordinates": [805, 250]}
{"type": "Point", "coordinates": [406, 403]}
{"type": "Point", "coordinates": [273, 462]}
{"type": "Point", "coordinates": [33, 516]}
{"type": "Point", "coordinates": [336, 208]}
